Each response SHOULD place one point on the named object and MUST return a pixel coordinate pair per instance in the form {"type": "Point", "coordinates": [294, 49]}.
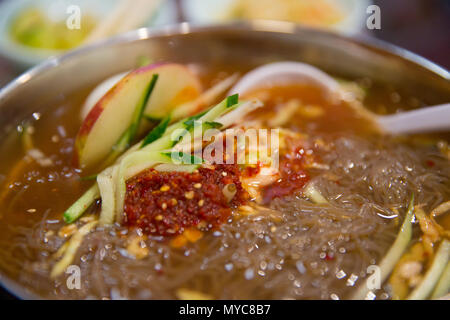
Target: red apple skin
{"type": "Point", "coordinates": [97, 110]}
{"type": "Point", "coordinates": [150, 67]}
{"type": "Point", "coordinates": [191, 91]}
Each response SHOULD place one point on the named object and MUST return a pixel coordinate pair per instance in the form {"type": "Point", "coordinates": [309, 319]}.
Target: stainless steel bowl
{"type": "Point", "coordinates": [256, 42]}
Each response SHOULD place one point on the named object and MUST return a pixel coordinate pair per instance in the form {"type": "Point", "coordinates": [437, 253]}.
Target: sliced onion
{"type": "Point", "coordinates": [423, 290]}
{"type": "Point", "coordinates": [237, 115]}
{"type": "Point", "coordinates": [395, 252]}
{"type": "Point", "coordinates": [71, 248]}
{"type": "Point", "coordinates": [205, 99]}
{"type": "Point", "coordinates": [106, 184]}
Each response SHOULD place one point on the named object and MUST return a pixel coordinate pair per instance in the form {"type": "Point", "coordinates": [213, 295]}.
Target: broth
{"type": "Point", "coordinates": [289, 248]}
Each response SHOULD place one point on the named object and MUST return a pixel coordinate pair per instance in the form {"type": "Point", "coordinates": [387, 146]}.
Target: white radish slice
{"type": "Point", "coordinates": [285, 72]}
{"type": "Point", "coordinates": [235, 116]}
{"type": "Point", "coordinates": [99, 92]}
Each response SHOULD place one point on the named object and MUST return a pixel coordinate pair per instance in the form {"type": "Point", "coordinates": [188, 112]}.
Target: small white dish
{"type": "Point", "coordinates": [217, 11]}
{"type": "Point", "coordinates": [24, 56]}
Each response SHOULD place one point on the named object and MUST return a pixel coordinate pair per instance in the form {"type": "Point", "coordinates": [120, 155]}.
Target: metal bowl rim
{"type": "Point", "coordinates": [256, 25]}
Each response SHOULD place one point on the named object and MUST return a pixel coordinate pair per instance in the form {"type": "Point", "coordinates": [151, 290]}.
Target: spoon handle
{"type": "Point", "coordinates": [428, 119]}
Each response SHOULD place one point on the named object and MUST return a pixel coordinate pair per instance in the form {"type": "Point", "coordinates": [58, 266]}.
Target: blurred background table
{"type": "Point", "coordinates": [422, 26]}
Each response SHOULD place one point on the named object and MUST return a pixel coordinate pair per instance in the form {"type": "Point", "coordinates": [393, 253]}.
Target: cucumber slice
{"type": "Point", "coordinates": [157, 132]}
{"type": "Point", "coordinates": [139, 110]}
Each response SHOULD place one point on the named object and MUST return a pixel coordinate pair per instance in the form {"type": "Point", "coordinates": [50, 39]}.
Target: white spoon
{"type": "Point", "coordinates": [429, 119]}
{"type": "Point", "coordinates": [285, 73]}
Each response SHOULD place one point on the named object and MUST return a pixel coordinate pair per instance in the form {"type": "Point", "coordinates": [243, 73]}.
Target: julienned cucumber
{"type": "Point", "coordinates": [157, 132]}
{"type": "Point", "coordinates": [88, 198]}
{"type": "Point", "coordinates": [82, 204]}
{"type": "Point", "coordinates": [162, 142]}
{"type": "Point", "coordinates": [139, 110]}
{"type": "Point", "coordinates": [166, 141]}
{"type": "Point", "coordinates": [129, 135]}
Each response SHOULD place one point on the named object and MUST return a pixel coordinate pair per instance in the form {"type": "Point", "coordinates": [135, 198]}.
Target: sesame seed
{"type": "Point", "coordinates": [158, 217]}
{"type": "Point", "coordinates": [189, 195]}
{"type": "Point", "coordinates": [31, 210]}
{"type": "Point", "coordinates": [224, 174]}
{"type": "Point", "coordinates": [173, 202]}
{"type": "Point", "coordinates": [231, 187]}
{"type": "Point", "coordinates": [201, 202]}
{"type": "Point", "coordinates": [165, 188]}
{"type": "Point", "coordinates": [197, 185]}
{"type": "Point", "coordinates": [164, 206]}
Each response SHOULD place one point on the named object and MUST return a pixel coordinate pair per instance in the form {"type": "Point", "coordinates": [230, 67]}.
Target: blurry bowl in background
{"type": "Point", "coordinates": [352, 21]}
{"type": "Point", "coordinates": [24, 56]}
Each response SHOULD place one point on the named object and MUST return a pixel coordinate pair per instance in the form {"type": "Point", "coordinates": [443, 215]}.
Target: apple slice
{"type": "Point", "coordinates": [99, 92]}
{"type": "Point", "coordinates": [113, 113]}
